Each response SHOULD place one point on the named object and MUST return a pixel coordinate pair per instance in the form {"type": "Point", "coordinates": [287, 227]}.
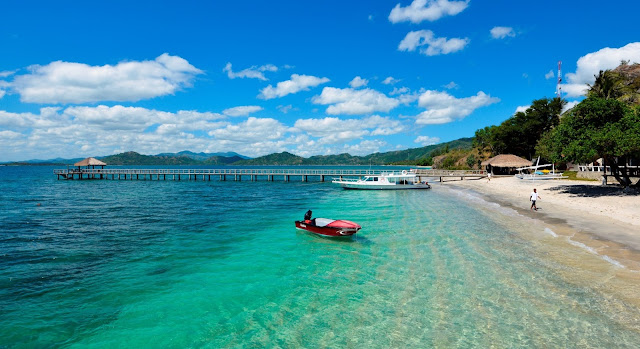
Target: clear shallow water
{"type": "Point", "coordinates": [219, 264]}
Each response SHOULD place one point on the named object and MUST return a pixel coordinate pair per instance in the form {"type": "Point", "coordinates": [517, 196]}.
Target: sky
{"type": "Point", "coordinates": [95, 78]}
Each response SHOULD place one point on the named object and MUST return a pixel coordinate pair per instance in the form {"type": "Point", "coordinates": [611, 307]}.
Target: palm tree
{"type": "Point", "coordinates": [606, 86]}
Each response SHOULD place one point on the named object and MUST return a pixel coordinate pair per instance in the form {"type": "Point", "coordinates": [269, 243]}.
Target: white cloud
{"type": "Point", "coordinates": [549, 75]}
{"type": "Point", "coordinates": [569, 105]}
{"type": "Point", "coordinates": [430, 10]}
{"type": "Point", "coordinates": [397, 91]}
{"type": "Point", "coordinates": [522, 108]}
{"type": "Point", "coordinates": [251, 130]}
{"type": "Point", "coordinates": [365, 147]}
{"type": "Point", "coordinates": [390, 80]}
{"type": "Point", "coordinates": [350, 101]}
{"type": "Point", "coordinates": [6, 73]}
{"type": "Point", "coordinates": [285, 108]}
{"type": "Point", "coordinates": [426, 140]}
{"type": "Point", "coordinates": [591, 64]}
{"type": "Point", "coordinates": [333, 130]}
{"type": "Point", "coordinates": [296, 84]}
{"type": "Point", "coordinates": [358, 82]}
{"type": "Point", "coordinates": [429, 44]}
{"type": "Point", "coordinates": [242, 110]}
{"type": "Point", "coordinates": [443, 108]}
{"type": "Point", "coordinates": [502, 32]}
{"type": "Point", "coordinates": [255, 72]}
{"type": "Point", "coordinates": [66, 82]}
{"type": "Point", "coordinates": [451, 85]}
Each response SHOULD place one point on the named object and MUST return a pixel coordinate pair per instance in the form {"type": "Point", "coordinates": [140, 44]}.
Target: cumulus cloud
{"type": "Point", "coordinates": [358, 82]}
{"type": "Point", "coordinates": [522, 108]}
{"type": "Point", "coordinates": [451, 85]}
{"type": "Point", "coordinates": [429, 10]}
{"type": "Point", "coordinates": [591, 64]}
{"type": "Point", "coordinates": [251, 130]}
{"type": "Point", "coordinates": [502, 32]}
{"type": "Point", "coordinates": [365, 147]}
{"type": "Point", "coordinates": [333, 130]}
{"type": "Point", "coordinates": [90, 131]}
{"type": "Point", "coordinates": [443, 108]}
{"type": "Point", "coordinates": [429, 44]}
{"type": "Point", "coordinates": [242, 110]}
{"type": "Point", "coordinates": [399, 90]}
{"type": "Point", "coordinates": [255, 72]}
{"type": "Point", "coordinates": [549, 75]}
{"type": "Point", "coordinates": [285, 108]}
{"type": "Point", "coordinates": [350, 101]}
{"type": "Point", "coordinates": [65, 82]}
{"type": "Point", "coordinates": [6, 73]}
{"type": "Point", "coordinates": [296, 84]}
{"type": "Point", "coordinates": [390, 80]}
{"type": "Point", "coordinates": [569, 105]}
{"type": "Point", "coordinates": [426, 140]}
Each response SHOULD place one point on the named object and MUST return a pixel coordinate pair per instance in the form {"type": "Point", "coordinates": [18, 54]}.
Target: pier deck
{"type": "Point", "coordinates": [239, 174]}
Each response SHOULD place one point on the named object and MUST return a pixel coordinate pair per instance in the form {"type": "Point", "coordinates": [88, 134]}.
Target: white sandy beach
{"type": "Point", "coordinates": [602, 218]}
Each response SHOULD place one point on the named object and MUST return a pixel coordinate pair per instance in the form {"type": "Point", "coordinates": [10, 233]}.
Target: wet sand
{"type": "Point", "coordinates": [603, 219]}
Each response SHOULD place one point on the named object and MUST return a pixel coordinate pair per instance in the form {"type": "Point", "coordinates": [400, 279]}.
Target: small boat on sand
{"type": "Point", "coordinates": [328, 227]}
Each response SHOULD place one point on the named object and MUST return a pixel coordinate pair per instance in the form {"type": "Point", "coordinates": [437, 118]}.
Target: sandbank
{"type": "Point", "coordinates": [601, 217]}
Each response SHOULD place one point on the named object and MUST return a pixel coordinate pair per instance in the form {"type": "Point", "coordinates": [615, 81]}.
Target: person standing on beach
{"type": "Point", "coordinates": [488, 176]}
{"type": "Point", "coordinates": [534, 196]}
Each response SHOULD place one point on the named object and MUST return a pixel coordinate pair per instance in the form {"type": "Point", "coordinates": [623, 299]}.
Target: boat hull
{"type": "Point", "coordinates": [345, 230]}
{"type": "Point", "coordinates": [384, 187]}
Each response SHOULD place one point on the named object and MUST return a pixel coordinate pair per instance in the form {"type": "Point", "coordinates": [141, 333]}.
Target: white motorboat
{"type": "Point", "coordinates": [384, 181]}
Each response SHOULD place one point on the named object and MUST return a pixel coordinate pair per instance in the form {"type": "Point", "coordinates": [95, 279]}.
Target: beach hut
{"type": "Point", "coordinates": [504, 164]}
{"type": "Point", "coordinates": [89, 163]}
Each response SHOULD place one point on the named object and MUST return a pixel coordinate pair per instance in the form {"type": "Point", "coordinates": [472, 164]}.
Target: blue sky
{"type": "Point", "coordinates": [90, 78]}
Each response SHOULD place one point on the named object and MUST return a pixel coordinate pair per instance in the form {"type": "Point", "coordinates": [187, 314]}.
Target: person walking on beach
{"type": "Point", "coordinates": [534, 196]}
{"type": "Point", "coordinates": [488, 176]}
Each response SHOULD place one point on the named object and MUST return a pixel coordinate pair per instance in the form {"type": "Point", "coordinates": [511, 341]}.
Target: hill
{"type": "Point", "coordinates": [413, 156]}
{"type": "Point", "coordinates": [401, 157]}
{"type": "Point", "coordinates": [133, 158]}
{"type": "Point", "coordinates": [203, 156]}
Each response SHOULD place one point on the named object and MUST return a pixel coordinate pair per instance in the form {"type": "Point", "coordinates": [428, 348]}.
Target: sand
{"type": "Point", "coordinates": [601, 217]}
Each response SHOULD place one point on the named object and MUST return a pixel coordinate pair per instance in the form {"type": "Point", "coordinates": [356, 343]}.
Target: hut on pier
{"type": "Point", "coordinates": [90, 163]}
{"type": "Point", "coordinates": [504, 164]}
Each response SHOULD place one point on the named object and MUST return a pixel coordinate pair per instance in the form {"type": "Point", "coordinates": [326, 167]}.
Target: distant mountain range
{"type": "Point", "coordinates": [408, 156]}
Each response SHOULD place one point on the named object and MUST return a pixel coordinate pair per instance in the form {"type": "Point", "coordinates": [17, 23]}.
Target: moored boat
{"type": "Point", "coordinates": [329, 227]}
{"type": "Point", "coordinates": [384, 181]}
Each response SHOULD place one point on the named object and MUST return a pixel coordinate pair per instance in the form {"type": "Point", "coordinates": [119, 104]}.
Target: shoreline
{"type": "Point", "coordinates": [603, 219]}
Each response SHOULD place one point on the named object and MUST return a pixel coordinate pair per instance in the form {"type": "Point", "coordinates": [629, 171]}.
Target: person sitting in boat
{"type": "Point", "coordinates": [307, 217]}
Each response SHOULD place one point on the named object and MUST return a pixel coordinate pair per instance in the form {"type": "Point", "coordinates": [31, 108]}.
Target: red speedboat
{"type": "Point", "coordinates": [329, 227]}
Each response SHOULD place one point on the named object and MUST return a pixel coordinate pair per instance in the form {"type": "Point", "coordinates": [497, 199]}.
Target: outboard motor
{"type": "Point", "coordinates": [307, 216]}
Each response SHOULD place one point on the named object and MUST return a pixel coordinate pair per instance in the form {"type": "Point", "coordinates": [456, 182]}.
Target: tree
{"type": "Point", "coordinates": [607, 85]}
{"type": "Point", "coordinates": [596, 128]}
{"type": "Point", "coordinates": [520, 133]}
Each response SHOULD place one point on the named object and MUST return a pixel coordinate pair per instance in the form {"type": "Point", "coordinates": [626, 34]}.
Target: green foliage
{"type": "Point", "coordinates": [519, 134]}
{"type": "Point", "coordinates": [471, 161]}
{"type": "Point", "coordinates": [595, 128]}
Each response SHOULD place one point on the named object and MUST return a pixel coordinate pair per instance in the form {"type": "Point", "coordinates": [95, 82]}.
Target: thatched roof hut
{"type": "Point", "coordinates": [90, 162]}
{"type": "Point", "coordinates": [504, 164]}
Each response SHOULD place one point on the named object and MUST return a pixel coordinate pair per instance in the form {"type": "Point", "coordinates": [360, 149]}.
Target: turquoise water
{"type": "Point", "coordinates": [103, 264]}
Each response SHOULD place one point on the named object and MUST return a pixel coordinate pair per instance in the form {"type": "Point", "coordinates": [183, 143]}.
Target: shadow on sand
{"type": "Point", "coordinates": [591, 191]}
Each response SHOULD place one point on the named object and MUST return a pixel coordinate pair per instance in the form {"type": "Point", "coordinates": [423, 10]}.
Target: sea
{"type": "Point", "coordinates": [213, 264]}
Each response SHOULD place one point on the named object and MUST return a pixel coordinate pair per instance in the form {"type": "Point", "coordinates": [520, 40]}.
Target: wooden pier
{"type": "Point", "coordinates": [267, 174]}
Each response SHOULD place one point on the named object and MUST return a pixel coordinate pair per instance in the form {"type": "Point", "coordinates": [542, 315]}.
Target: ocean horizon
{"type": "Point", "coordinates": [103, 263]}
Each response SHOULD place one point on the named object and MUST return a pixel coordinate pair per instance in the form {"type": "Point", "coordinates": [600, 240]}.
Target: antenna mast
{"type": "Point", "coordinates": [558, 87]}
